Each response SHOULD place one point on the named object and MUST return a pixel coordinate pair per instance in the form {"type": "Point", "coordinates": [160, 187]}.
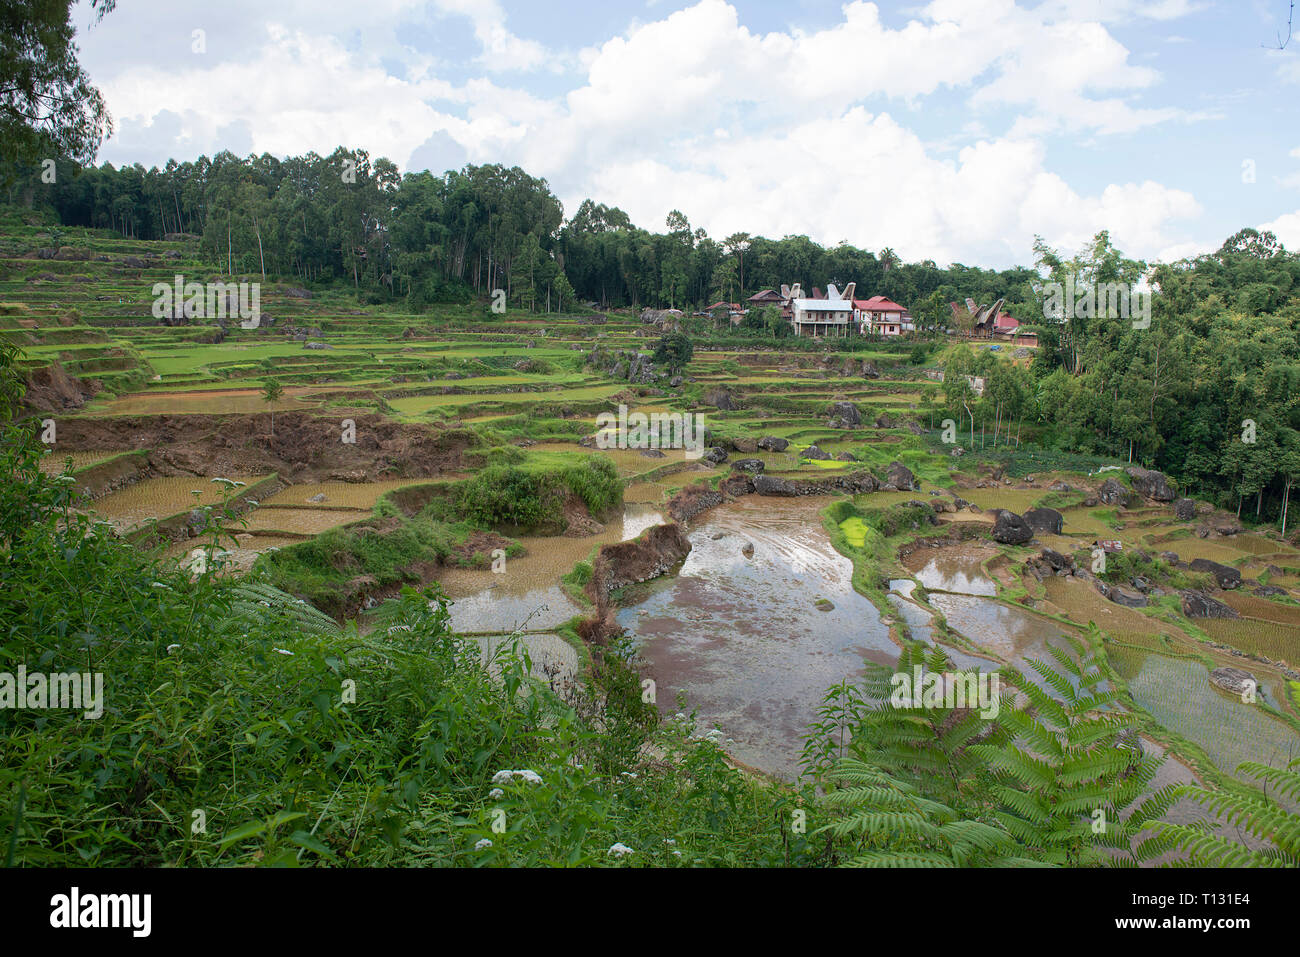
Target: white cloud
{"type": "Point", "coordinates": [788, 131]}
{"type": "Point", "coordinates": [1287, 229]}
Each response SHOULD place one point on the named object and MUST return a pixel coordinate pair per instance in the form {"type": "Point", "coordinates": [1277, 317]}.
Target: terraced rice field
{"type": "Point", "coordinates": [55, 461]}
{"type": "Point", "coordinates": [302, 521]}
{"type": "Point", "coordinates": [355, 495]}
{"type": "Point", "coordinates": [161, 497]}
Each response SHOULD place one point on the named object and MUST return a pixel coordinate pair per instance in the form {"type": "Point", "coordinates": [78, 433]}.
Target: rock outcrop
{"type": "Point", "coordinates": [1010, 529]}
{"type": "Point", "coordinates": [1151, 484]}
{"type": "Point", "coordinates": [1046, 520]}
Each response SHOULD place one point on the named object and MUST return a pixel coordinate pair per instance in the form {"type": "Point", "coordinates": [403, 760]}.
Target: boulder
{"type": "Point", "coordinates": [767, 485]}
{"type": "Point", "coordinates": [1151, 484]}
{"type": "Point", "coordinates": [1127, 597]}
{"type": "Point", "coordinates": [1010, 529]}
{"type": "Point", "coordinates": [845, 457]}
{"type": "Point", "coordinates": [1056, 560]}
{"type": "Point", "coordinates": [753, 466]}
{"type": "Point", "coordinates": [1184, 509]}
{"type": "Point", "coordinates": [1046, 520]}
{"type": "Point", "coordinates": [747, 446]}
{"type": "Point", "coordinates": [1113, 493]}
{"type": "Point", "coordinates": [771, 443]}
{"type": "Point", "coordinates": [847, 413]}
{"type": "Point", "coordinates": [1225, 576]}
{"type": "Point", "coordinates": [1234, 680]}
{"type": "Point", "coordinates": [720, 399]}
{"type": "Point", "coordinates": [813, 452]}
{"type": "Point", "coordinates": [1197, 604]}
{"type": "Point", "coordinates": [901, 477]}
{"type": "Point", "coordinates": [869, 370]}
{"type": "Point", "coordinates": [1270, 591]}
{"type": "Point", "coordinates": [716, 455]}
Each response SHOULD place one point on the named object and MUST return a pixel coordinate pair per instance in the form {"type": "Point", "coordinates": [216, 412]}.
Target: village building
{"type": "Point", "coordinates": [822, 317]}
{"type": "Point", "coordinates": [882, 317]}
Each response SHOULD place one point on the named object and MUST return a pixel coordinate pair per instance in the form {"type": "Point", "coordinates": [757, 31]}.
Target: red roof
{"type": "Point", "coordinates": [1005, 321]}
{"type": "Point", "coordinates": [767, 295]}
{"type": "Point", "coordinates": [878, 304]}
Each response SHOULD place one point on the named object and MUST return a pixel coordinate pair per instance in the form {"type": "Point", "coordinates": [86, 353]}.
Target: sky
{"type": "Point", "coordinates": [954, 130]}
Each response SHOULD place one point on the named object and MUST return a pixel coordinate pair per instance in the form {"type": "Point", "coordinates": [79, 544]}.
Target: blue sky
{"type": "Point", "coordinates": [954, 130]}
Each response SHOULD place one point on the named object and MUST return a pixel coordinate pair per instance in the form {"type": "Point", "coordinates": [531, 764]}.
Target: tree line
{"type": "Point", "coordinates": [422, 238]}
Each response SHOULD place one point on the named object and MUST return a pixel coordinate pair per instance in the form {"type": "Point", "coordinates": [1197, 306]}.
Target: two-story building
{"type": "Point", "coordinates": [882, 317]}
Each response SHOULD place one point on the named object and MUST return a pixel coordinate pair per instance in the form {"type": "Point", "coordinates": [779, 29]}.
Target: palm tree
{"type": "Point", "coordinates": [271, 392]}
{"type": "Point", "coordinates": [888, 259]}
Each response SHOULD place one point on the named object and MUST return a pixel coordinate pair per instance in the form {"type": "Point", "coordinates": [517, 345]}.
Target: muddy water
{"type": "Point", "coordinates": [1012, 634]}
{"type": "Point", "coordinates": [919, 625]}
{"type": "Point", "coordinates": [527, 594]}
{"type": "Point", "coordinates": [741, 637]}
{"type": "Point", "coordinates": [955, 569]}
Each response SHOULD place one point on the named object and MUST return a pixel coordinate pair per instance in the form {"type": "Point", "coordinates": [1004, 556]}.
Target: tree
{"type": "Point", "coordinates": [271, 393]}
{"type": "Point", "coordinates": [47, 102]}
{"type": "Point", "coordinates": [674, 350]}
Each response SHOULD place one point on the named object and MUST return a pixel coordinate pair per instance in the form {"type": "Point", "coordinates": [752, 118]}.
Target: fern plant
{"type": "Point", "coordinates": [1276, 827]}
{"type": "Point", "coordinates": [1072, 769]}
{"type": "Point", "coordinates": [888, 823]}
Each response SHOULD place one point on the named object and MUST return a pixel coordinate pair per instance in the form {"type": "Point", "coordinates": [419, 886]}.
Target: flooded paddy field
{"type": "Point", "coordinates": [741, 638]}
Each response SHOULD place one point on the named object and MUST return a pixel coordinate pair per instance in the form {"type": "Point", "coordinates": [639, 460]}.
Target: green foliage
{"type": "Point", "coordinates": [1263, 817]}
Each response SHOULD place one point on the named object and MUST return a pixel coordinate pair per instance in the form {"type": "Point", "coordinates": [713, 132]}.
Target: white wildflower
{"type": "Point", "coordinates": [619, 849]}
{"type": "Point", "coordinates": [482, 845]}
{"type": "Point", "coordinates": [496, 794]}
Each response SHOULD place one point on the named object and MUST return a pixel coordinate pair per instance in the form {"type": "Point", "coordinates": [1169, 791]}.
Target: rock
{"type": "Point", "coordinates": [813, 452]}
{"type": "Point", "coordinates": [1046, 520]}
{"type": "Point", "coordinates": [1056, 560]}
{"type": "Point", "coordinates": [747, 549]}
{"type": "Point", "coordinates": [1010, 529]}
{"type": "Point", "coordinates": [845, 457]}
{"type": "Point", "coordinates": [1170, 557]}
{"type": "Point", "coordinates": [1090, 501]}
{"type": "Point", "coordinates": [1234, 681]}
{"type": "Point", "coordinates": [1224, 575]}
{"type": "Point", "coordinates": [753, 466]}
{"type": "Point", "coordinates": [824, 604]}
{"type": "Point", "coordinates": [717, 535]}
{"type": "Point", "coordinates": [1197, 604]}
{"type": "Point", "coordinates": [901, 477]}
{"type": "Point", "coordinates": [716, 455]}
{"type": "Point", "coordinates": [1113, 493]}
{"type": "Point", "coordinates": [771, 443]}
{"type": "Point", "coordinates": [767, 485]}
{"type": "Point", "coordinates": [1151, 484]}
{"type": "Point", "coordinates": [1270, 591]}
{"type": "Point", "coordinates": [870, 371]}
{"type": "Point", "coordinates": [886, 421]}
{"type": "Point", "coordinates": [1127, 597]}
{"type": "Point", "coordinates": [847, 413]}
{"type": "Point", "coordinates": [720, 399]}
{"type": "Point", "coordinates": [652, 453]}
{"type": "Point", "coordinates": [747, 446]}
{"type": "Point", "coordinates": [675, 382]}
{"type": "Point", "coordinates": [1184, 509]}
{"type": "Point", "coordinates": [318, 497]}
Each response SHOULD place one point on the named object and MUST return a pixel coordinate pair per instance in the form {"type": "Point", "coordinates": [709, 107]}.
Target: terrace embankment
{"type": "Point", "coordinates": [302, 448]}
{"type": "Point", "coordinates": [50, 388]}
